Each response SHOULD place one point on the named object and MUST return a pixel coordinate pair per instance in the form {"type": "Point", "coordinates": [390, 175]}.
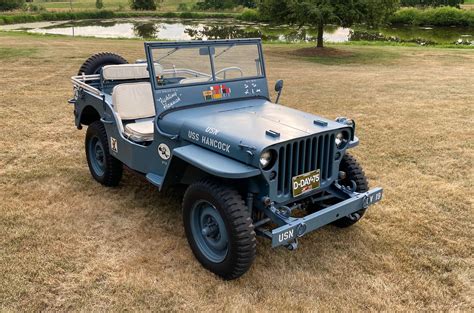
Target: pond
{"type": "Point", "coordinates": [177, 29]}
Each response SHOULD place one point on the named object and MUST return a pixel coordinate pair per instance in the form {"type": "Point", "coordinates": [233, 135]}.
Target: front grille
{"type": "Point", "coordinates": [302, 156]}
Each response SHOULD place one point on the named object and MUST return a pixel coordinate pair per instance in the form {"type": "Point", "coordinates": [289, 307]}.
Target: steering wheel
{"type": "Point", "coordinates": [230, 68]}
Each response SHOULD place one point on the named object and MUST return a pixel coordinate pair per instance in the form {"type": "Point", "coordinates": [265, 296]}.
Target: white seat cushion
{"type": "Point", "coordinates": [133, 101]}
{"type": "Point", "coordinates": [140, 131]}
{"type": "Point", "coordinates": [129, 71]}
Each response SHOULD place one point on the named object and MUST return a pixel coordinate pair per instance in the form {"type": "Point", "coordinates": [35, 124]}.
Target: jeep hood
{"type": "Point", "coordinates": [241, 129]}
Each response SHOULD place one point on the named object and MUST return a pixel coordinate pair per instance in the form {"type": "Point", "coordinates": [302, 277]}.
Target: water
{"type": "Point", "coordinates": [176, 29]}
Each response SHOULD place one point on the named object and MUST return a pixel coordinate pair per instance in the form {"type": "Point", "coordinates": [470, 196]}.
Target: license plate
{"type": "Point", "coordinates": [305, 182]}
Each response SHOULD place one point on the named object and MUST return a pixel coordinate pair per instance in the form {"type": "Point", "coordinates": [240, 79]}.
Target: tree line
{"type": "Point", "coordinates": [315, 13]}
{"type": "Point", "coordinates": [228, 4]}
{"type": "Point", "coordinates": [318, 13]}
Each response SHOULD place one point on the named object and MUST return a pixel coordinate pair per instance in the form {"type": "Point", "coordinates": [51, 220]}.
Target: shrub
{"type": "Point", "coordinates": [31, 7]}
{"type": "Point", "coordinates": [7, 5]}
{"type": "Point", "coordinates": [99, 4]}
{"type": "Point", "coordinates": [224, 4]}
{"type": "Point", "coordinates": [432, 3]}
{"type": "Point", "coordinates": [149, 5]}
{"type": "Point", "coordinates": [186, 15]}
{"type": "Point", "coordinates": [102, 14]}
{"type": "Point", "coordinates": [170, 14]}
{"type": "Point", "coordinates": [183, 7]}
{"type": "Point", "coordinates": [442, 16]}
{"type": "Point", "coordinates": [249, 15]}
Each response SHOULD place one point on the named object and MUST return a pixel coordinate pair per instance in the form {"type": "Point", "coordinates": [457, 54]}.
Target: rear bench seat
{"type": "Point", "coordinates": [133, 102]}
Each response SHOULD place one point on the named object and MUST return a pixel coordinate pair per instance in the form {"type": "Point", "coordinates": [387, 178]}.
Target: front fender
{"type": "Point", "coordinates": [214, 164]}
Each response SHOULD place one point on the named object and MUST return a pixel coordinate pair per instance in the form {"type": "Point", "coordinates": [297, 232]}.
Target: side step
{"type": "Point", "coordinates": [156, 180]}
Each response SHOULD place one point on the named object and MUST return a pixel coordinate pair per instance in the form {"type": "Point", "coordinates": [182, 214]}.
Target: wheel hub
{"type": "Point", "coordinates": [97, 156]}
{"type": "Point", "coordinates": [99, 153]}
{"type": "Point", "coordinates": [209, 231]}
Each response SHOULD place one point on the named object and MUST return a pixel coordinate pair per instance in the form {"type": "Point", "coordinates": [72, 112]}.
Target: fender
{"type": "Point", "coordinates": [87, 109]}
{"type": "Point", "coordinates": [206, 160]}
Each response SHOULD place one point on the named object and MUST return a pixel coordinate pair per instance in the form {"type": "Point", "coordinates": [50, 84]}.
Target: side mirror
{"type": "Point", "coordinates": [279, 85]}
{"type": "Point", "coordinates": [278, 88]}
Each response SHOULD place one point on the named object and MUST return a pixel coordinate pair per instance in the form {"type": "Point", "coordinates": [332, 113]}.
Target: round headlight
{"type": "Point", "coordinates": [340, 140]}
{"type": "Point", "coordinates": [266, 159]}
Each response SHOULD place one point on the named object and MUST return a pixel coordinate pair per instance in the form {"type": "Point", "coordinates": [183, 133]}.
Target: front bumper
{"type": "Point", "coordinates": [297, 227]}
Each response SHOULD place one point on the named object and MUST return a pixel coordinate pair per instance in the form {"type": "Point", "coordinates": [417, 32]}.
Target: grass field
{"type": "Point", "coordinates": [68, 243]}
{"type": "Point", "coordinates": [166, 5]}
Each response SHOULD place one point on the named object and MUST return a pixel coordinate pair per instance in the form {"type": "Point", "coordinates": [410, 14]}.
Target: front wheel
{"type": "Point", "coordinates": [105, 169]}
{"type": "Point", "coordinates": [354, 173]}
{"type": "Point", "coordinates": [219, 228]}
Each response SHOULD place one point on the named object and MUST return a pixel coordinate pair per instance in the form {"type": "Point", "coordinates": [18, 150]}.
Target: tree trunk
{"type": "Point", "coordinates": [320, 43]}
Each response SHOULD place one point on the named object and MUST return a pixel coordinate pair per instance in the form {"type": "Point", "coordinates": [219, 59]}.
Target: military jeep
{"type": "Point", "coordinates": [199, 114]}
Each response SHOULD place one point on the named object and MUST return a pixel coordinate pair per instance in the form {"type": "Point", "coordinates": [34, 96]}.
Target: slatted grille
{"type": "Point", "coordinates": [303, 156]}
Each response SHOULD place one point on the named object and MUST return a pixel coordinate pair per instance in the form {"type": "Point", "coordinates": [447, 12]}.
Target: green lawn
{"type": "Point", "coordinates": [166, 5]}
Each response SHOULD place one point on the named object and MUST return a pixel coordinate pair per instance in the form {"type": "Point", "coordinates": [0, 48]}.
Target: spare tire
{"type": "Point", "coordinates": [95, 62]}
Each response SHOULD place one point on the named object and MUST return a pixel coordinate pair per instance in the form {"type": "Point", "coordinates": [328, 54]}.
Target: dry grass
{"type": "Point", "coordinates": [68, 243]}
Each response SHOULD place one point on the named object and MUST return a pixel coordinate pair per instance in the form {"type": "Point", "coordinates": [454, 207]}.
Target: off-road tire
{"type": "Point", "coordinates": [113, 168]}
{"type": "Point", "coordinates": [238, 223]}
{"type": "Point", "coordinates": [95, 62]}
{"type": "Point", "coordinates": [354, 172]}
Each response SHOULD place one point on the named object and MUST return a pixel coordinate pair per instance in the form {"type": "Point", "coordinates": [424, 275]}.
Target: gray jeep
{"type": "Point", "coordinates": [198, 113]}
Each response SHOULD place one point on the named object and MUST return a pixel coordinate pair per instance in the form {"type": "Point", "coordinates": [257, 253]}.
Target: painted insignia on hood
{"type": "Point", "coordinates": [216, 92]}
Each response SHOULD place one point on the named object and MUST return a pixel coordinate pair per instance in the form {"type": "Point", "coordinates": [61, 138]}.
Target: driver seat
{"type": "Point", "coordinates": [133, 103]}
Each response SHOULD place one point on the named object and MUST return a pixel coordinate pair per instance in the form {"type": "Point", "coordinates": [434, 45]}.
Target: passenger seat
{"type": "Point", "coordinates": [133, 102]}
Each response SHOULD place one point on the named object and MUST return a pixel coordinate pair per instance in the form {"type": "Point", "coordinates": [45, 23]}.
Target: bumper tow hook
{"type": "Point", "coordinates": [292, 246]}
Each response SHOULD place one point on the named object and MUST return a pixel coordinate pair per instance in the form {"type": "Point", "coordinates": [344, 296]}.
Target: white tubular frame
{"type": "Point", "coordinates": [80, 82]}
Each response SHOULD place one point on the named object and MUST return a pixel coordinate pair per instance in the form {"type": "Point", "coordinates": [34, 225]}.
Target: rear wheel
{"type": "Point", "coordinates": [106, 169]}
{"type": "Point", "coordinates": [94, 63]}
{"type": "Point", "coordinates": [219, 228]}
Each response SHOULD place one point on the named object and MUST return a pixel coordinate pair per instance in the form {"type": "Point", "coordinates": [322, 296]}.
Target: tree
{"type": "Point", "coordinates": [319, 13]}
{"type": "Point", "coordinates": [6, 5]}
{"type": "Point", "coordinates": [149, 5]}
{"type": "Point", "coordinates": [99, 4]}
{"type": "Point", "coordinates": [431, 3]}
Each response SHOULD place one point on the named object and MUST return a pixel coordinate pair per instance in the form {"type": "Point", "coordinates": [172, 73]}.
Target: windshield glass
{"type": "Point", "coordinates": [184, 65]}
{"type": "Point", "coordinates": [237, 61]}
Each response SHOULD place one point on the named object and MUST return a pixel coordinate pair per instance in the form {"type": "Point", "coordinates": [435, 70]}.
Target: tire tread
{"type": "Point", "coordinates": [354, 171]}
{"type": "Point", "coordinates": [114, 168]}
{"type": "Point", "coordinates": [100, 59]}
{"type": "Point", "coordinates": [243, 233]}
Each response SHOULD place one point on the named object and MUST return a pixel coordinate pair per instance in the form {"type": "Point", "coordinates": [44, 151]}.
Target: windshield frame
{"type": "Point", "coordinates": [150, 46]}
